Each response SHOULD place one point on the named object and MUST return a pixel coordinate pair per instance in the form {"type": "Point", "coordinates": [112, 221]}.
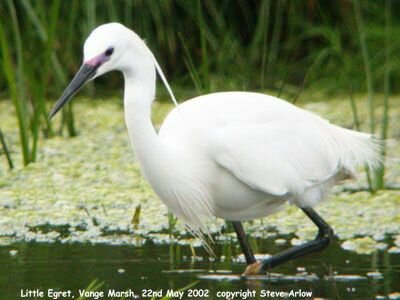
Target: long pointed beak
{"type": "Point", "coordinates": [85, 73]}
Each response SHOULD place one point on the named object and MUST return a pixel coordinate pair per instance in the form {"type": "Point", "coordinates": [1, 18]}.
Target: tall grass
{"type": "Point", "coordinates": [260, 38]}
{"type": "Point", "coordinates": [367, 64]}
{"type": "Point", "coordinates": [376, 180]}
{"type": "Point", "coordinates": [231, 38]}
{"type": "Point", "coordinates": [15, 79]}
{"type": "Point", "coordinates": [28, 73]}
{"type": "Point", "coordinates": [368, 76]}
{"type": "Point", "coordinates": [209, 45]}
{"type": "Point", "coordinates": [5, 150]}
{"type": "Point", "coordinates": [380, 174]}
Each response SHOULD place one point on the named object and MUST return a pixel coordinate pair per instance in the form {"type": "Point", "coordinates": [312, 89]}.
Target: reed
{"type": "Point", "coordinates": [380, 173]}
{"type": "Point", "coordinates": [6, 150]}
{"type": "Point", "coordinates": [15, 79]}
{"type": "Point", "coordinates": [211, 45]}
{"type": "Point", "coordinates": [260, 38]}
{"type": "Point", "coordinates": [28, 83]}
{"type": "Point", "coordinates": [227, 37]}
{"type": "Point", "coordinates": [193, 72]}
{"type": "Point", "coordinates": [275, 44]}
{"type": "Point", "coordinates": [367, 64]}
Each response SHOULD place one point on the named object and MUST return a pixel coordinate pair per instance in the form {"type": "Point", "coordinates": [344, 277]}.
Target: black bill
{"type": "Point", "coordinates": [85, 73]}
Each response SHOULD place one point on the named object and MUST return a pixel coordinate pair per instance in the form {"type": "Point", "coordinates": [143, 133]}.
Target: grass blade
{"type": "Point", "coordinates": [15, 80]}
{"type": "Point", "coordinates": [367, 64]}
{"type": "Point", "coordinates": [380, 173]}
{"type": "Point", "coordinates": [276, 34]}
{"type": "Point", "coordinates": [6, 151]}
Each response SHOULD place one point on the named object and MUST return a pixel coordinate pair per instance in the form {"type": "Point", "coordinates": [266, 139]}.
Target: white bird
{"type": "Point", "coordinates": [231, 155]}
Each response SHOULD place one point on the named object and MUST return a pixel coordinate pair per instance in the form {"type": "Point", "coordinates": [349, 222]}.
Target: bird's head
{"type": "Point", "coordinates": [109, 47]}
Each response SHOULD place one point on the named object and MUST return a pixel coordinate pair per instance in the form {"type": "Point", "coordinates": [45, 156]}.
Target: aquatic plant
{"type": "Point", "coordinates": [5, 150]}
{"type": "Point", "coordinates": [289, 46]}
{"type": "Point", "coordinates": [28, 73]}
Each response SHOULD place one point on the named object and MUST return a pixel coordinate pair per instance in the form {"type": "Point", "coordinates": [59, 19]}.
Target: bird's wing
{"type": "Point", "coordinates": [277, 157]}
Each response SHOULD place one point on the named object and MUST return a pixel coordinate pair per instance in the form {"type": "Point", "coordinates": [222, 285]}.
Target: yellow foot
{"type": "Point", "coordinates": [253, 269]}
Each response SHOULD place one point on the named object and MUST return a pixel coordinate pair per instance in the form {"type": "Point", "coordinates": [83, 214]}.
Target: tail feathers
{"type": "Point", "coordinates": [357, 149]}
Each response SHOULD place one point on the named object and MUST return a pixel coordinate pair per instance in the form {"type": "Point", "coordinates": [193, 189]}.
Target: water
{"type": "Point", "coordinates": [333, 273]}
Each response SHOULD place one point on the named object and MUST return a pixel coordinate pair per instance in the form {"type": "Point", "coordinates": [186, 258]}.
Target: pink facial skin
{"type": "Point", "coordinates": [97, 60]}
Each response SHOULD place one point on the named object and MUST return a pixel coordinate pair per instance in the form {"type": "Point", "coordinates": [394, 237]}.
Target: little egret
{"type": "Point", "coordinates": [231, 155]}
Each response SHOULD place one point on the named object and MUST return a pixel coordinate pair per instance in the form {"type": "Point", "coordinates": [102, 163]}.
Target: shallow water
{"type": "Point", "coordinates": [333, 273]}
{"type": "Point", "coordinates": [87, 189]}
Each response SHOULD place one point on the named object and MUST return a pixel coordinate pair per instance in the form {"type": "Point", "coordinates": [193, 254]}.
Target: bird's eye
{"type": "Point", "coordinates": [109, 51]}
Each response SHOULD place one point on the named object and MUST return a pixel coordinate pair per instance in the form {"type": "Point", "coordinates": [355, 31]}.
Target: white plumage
{"type": "Point", "coordinates": [232, 155]}
{"type": "Point", "coordinates": [245, 154]}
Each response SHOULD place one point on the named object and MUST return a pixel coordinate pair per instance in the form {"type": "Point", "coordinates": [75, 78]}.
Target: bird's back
{"type": "Point", "coordinates": [267, 145]}
{"type": "Point", "coordinates": [225, 108]}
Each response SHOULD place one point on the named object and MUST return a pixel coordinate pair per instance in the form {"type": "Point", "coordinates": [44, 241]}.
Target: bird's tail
{"type": "Point", "coordinates": [357, 149]}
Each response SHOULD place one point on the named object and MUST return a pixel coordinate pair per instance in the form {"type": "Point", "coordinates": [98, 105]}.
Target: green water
{"type": "Point", "coordinates": [333, 273]}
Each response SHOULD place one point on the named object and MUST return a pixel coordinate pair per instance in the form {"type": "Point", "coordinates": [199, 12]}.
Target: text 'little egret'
{"type": "Point", "coordinates": [232, 155]}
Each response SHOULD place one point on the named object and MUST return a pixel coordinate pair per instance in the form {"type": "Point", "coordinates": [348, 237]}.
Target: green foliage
{"type": "Point", "coordinates": [28, 64]}
{"type": "Point", "coordinates": [379, 181]}
{"type": "Point", "coordinates": [5, 150]}
{"type": "Point", "coordinates": [230, 43]}
{"type": "Point", "coordinates": [15, 78]}
{"type": "Point", "coordinates": [214, 45]}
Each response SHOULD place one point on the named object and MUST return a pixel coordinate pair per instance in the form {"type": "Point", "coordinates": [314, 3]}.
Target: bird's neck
{"type": "Point", "coordinates": [149, 149]}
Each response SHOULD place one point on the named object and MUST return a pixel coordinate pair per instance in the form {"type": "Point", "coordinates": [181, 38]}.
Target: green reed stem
{"type": "Point", "coordinates": [6, 151]}
{"type": "Point", "coordinates": [204, 53]}
{"type": "Point", "coordinates": [15, 79]}
{"type": "Point", "coordinates": [367, 64]}
{"type": "Point", "coordinates": [194, 74]}
{"type": "Point", "coordinates": [276, 33]}
{"type": "Point", "coordinates": [261, 34]}
{"type": "Point", "coordinates": [380, 173]}
{"type": "Point", "coordinates": [368, 74]}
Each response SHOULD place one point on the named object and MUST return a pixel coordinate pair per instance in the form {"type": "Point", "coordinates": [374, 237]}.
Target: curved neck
{"type": "Point", "coordinates": [138, 96]}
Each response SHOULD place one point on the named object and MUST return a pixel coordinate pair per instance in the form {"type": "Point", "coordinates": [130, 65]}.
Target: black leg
{"type": "Point", "coordinates": [244, 244]}
{"type": "Point", "coordinates": [322, 240]}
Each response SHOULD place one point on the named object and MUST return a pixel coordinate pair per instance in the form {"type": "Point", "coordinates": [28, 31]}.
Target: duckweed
{"type": "Point", "coordinates": [86, 189]}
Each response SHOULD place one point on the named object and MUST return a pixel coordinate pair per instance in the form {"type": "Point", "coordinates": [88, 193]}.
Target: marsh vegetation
{"type": "Point", "coordinates": [71, 192]}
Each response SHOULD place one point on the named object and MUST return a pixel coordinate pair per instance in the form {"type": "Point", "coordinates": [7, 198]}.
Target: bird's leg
{"type": "Point", "coordinates": [244, 244]}
{"type": "Point", "coordinates": [321, 241]}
